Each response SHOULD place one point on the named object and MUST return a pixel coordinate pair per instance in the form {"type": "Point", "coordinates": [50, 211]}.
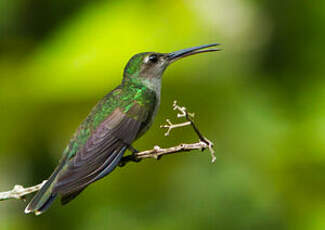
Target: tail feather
{"type": "Point", "coordinates": [45, 197]}
{"type": "Point", "coordinates": [46, 205]}
{"type": "Point", "coordinates": [42, 200]}
{"type": "Point", "coordinates": [47, 194]}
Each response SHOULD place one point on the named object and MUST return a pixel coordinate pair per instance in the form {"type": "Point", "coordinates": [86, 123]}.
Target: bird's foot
{"type": "Point", "coordinates": [132, 157]}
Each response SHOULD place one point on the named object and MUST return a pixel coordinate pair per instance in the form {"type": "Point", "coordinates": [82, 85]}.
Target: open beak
{"type": "Point", "coordinates": [173, 56]}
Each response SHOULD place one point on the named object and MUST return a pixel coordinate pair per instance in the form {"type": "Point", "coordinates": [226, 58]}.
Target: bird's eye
{"type": "Point", "coordinates": [153, 58]}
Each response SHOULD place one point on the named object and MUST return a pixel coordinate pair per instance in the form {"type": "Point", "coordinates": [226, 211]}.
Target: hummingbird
{"type": "Point", "coordinates": [111, 127]}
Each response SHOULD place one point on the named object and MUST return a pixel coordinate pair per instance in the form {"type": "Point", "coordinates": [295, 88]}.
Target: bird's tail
{"type": "Point", "coordinates": [44, 198]}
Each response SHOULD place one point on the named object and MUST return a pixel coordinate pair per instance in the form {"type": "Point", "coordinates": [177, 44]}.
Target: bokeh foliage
{"type": "Point", "coordinates": [261, 100]}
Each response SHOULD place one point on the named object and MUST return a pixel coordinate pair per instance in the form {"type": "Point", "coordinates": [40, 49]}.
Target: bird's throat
{"type": "Point", "coordinates": [152, 84]}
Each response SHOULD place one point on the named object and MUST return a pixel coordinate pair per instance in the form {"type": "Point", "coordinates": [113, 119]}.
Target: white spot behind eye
{"type": "Point", "coordinates": [146, 59]}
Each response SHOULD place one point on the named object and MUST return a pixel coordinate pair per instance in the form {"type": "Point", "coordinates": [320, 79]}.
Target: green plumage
{"type": "Point", "coordinates": [125, 96]}
{"type": "Point", "coordinates": [117, 120]}
{"type": "Point", "coordinates": [122, 116]}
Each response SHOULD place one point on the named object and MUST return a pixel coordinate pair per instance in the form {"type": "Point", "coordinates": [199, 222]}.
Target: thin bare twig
{"type": "Point", "coordinates": [171, 126]}
{"type": "Point", "coordinates": [190, 121]}
{"type": "Point", "coordinates": [19, 192]}
{"type": "Point", "coordinates": [157, 152]}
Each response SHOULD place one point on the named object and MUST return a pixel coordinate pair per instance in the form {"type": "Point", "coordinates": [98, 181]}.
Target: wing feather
{"type": "Point", "coordinates": [102, 151]}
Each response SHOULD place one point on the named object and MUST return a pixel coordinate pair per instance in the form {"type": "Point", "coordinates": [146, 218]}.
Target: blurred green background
{"type": "Point", "coordinates": [261, 100]}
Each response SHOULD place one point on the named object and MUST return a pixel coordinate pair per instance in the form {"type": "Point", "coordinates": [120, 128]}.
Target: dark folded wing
{"type": "Point", "coordinates": [102, 151]}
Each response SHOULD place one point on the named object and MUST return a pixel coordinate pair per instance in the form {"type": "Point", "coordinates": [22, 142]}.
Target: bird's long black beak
{"type": "Point", "coordinates": [173, 56]}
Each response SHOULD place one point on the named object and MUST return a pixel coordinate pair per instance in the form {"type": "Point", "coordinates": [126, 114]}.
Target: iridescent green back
{"type": "Point", "coordinates": [125, 96]}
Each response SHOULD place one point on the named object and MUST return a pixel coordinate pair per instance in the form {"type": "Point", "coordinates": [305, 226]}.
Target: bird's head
{"type": "Point", "coordinates": [149, 66]}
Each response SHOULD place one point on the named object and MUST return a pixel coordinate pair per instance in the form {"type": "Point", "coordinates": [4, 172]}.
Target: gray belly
{"type": "Point", "coordinates": [150, 120]}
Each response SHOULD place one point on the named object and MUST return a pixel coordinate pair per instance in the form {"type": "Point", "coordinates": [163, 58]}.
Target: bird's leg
{"type": "Point", "coordinates": [131, 157]}
{"type": "Point", "coordinates": [132, 149]}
